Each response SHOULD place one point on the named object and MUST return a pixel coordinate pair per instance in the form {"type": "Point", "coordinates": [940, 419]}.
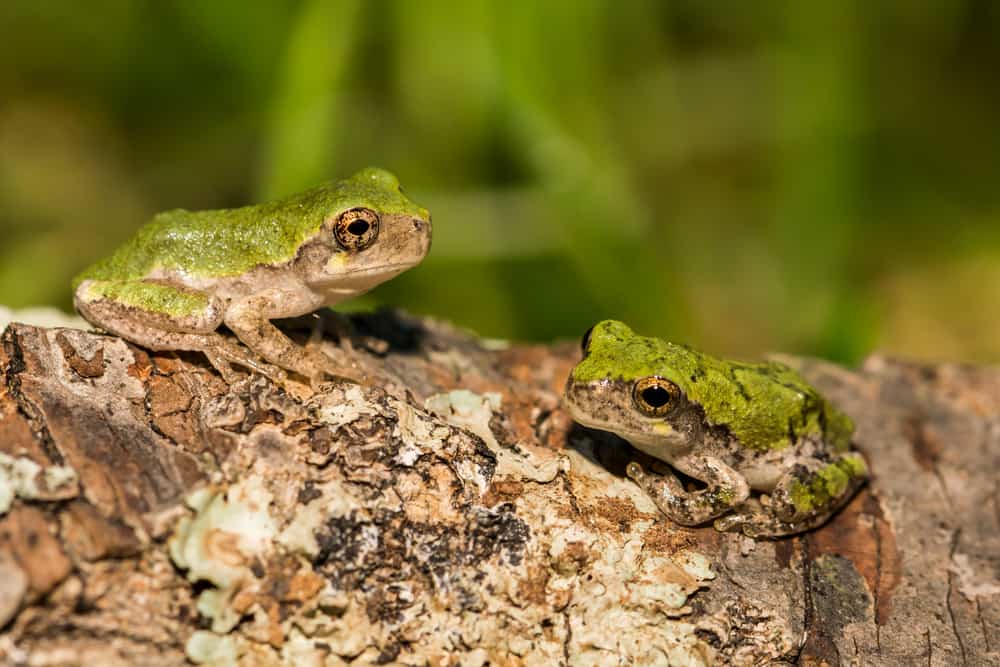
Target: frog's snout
{"type": "Point", "coordinates": [423, 229]}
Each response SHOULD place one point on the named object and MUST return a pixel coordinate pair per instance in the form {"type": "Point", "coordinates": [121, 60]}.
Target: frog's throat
{"type": "Point", "coordinates": [655, 438]}
{"type": "Point", "coordinates": [336, 264]}
{"type": "Point", "coordinates": [659, 441]}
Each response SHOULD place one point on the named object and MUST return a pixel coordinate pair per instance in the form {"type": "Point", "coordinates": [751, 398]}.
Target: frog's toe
{"type": "Point", "coordinates": [730, 523]}
{"type": "Point", "coordinates": [635, 472]}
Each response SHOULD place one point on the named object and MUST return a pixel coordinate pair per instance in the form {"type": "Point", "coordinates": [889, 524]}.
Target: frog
{"type": "Point", "coordinates": [736, 428]}
{"type": "Point", "coordinates": [184, 274]}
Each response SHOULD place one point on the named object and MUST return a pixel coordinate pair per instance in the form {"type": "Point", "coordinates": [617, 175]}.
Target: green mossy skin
{"type": "Point", "coordinates": [763, 405]}
{"type": "Point", "coordinates": [725, 497]}
{"type": "Point", "coordinates": [150, 296]}
{"type": "Point", "coordinates": [826, 485]}
{"type": "Point", "coordinates": [230, 242]}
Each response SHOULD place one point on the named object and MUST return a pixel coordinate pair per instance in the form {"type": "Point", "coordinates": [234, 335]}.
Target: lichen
{"type": "Point", "coordinates": [208, 648]}
{"type": "Point", "coordinates": [413, 563]}
{"type": "Point", "coordinates": [217, 545]}
{"type": "Point", "coordinates": [23, 478]}
{"type": "Point", "coordinates": [467, 409]}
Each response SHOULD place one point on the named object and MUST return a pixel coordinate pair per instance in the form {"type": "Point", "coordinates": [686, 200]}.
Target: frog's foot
{"type": "Point", "coordinates": [764, 524]}
{"type": "Point", "coordinates": [250, 320]}
{"type": "Point", "coordinates": [347, 334]}
{"type": "Point", "coordinates": [328, 321]}
{"type": "Point", "coordinates": [804, 498]}
{"type": "Point", "coordinates": [223, 353]}
{"type": "Point", "coordinates": [342, 365]}
{"type": "Point", "coordinates": [725, 488]}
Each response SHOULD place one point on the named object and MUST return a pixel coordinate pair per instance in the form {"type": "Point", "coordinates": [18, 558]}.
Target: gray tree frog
{"type": "Point", "coordinates": [186, 273]}
{"type": "Point", "coordinates": [736, 427]}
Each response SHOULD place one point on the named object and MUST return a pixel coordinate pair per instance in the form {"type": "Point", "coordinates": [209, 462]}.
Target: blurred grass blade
{"type": "Point", "coordinates": [445, 86]}
{"type": "Point", "coordinates": [306, 110]}
{"type": "Point", "coordinates": [557, 84]}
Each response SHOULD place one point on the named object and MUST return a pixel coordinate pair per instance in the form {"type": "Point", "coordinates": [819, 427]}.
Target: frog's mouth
{"type": "Point", "coordinates": [354, 282]}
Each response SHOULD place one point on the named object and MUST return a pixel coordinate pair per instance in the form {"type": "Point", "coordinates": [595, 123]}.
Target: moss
{"type": "Point", "coordinates": [725, 496]}
{"type": "Point", "coordinates": [827, 484]}
{"type": "Point", "coordinates": [854, 465]}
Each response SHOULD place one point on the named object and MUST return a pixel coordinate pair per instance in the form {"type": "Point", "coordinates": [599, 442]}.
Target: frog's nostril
{"type": "Point", "coordinates": [418, 224]}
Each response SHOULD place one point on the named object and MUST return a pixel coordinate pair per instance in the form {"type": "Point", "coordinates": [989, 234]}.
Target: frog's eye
{"type": "Point", "coordinates": [585, 341]}
{"type": "Point", "coordinates": [655, 396]}
{"type": "Point", "coordinates": [356, 229]}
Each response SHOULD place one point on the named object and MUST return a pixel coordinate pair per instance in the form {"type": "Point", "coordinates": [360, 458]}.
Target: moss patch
{"type": "Point", "coordinates": [827, 484]}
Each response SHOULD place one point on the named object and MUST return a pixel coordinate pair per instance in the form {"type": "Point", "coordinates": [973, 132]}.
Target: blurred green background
{"type": "Point", "coordinates": [806, 177]}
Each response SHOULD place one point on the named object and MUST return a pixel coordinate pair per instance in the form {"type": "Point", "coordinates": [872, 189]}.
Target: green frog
{"type": "Point", "coordinates": [184, 274]}
{"type": "Point", "coordinates": [735, 427]}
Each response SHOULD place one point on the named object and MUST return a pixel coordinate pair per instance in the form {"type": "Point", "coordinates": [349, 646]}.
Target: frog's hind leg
{"type": "Point", "coordinates": [194, 330]}
{"type": "Point", "coordinates": [804, 498]}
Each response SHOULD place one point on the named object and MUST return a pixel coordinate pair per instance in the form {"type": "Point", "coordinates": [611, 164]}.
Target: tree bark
{"type": "Point", "coordinates": [448, 512]}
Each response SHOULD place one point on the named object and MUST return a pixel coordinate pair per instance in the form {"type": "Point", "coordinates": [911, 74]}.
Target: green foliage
{"type": "Point", "coordinates": [799, 177]}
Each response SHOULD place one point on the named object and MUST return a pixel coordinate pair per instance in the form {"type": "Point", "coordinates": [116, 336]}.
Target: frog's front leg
{"type": "Point", "coordinates": [725, 489]}
{"type": "Point", "coordinates": [804, 498]}
{"type": "Point", "coordinates": [250, 319]}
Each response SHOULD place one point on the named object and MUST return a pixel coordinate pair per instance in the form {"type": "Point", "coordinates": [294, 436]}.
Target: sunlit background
{"type": "Point", "coordinates": [806, 177]}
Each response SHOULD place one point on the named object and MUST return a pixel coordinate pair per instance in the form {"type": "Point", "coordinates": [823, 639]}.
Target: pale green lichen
{"type": "Point", "coordinates": [20, 477]}
{"type": "Point", "coordinates": [216, 545]}
{"type": "Point", "coordinates": [208, 648]}
{"type": "Point", "coordinates": [695, 564]}
{"type": "Point", "coordinates": [232, 241]}
{"type": "Point", "coordinates": [826, 484]}
{"type": "Point", "coordinates": [763, 405]}
{"type": "Point", "coordinates": [474, 412]}
{"type": "Point", "coordinates": [59, 476]}
{"type": "Point", "coordinates": [641, 594]}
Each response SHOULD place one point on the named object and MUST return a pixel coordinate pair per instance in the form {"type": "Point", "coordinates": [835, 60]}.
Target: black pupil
{"type": "Point", "coordinates": [358, 227]}
{"type": "Point", "coordinates": [656, 397]}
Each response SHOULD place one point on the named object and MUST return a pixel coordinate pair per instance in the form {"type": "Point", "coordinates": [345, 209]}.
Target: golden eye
{"type": "Point", "coordinates": [356, 229]}
{"type": "Point", "coordinates": [655, 395]}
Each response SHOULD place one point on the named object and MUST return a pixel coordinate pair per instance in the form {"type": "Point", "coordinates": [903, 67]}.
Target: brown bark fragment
{"type": "Point", "coordinates": [94, 537]}
{"type": "Point", "coordinates": [27, 538]}
{"type": "Point", "coordinates": [369, 525]}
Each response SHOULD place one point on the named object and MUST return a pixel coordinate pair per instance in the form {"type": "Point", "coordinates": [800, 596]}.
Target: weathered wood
{"type": "Point", "coordinates": [450, 513]}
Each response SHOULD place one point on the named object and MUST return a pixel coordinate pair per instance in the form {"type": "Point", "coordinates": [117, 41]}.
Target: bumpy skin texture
{"type": "Point", "coordinates": [736, 427]}
{"type": "Point", "coordinates": [186, 273]}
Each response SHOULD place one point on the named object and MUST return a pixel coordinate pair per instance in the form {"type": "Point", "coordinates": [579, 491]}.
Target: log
{"type": "Point", "coordinates": [448, 512]}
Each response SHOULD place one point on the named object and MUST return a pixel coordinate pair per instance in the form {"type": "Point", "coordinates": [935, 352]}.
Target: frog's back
{"type": "Point", "coordinates": [766, 406]}
{"type": "Point", "coordinates": [797, 408]}
{"type": "Point", "coordinates": [211, 243]}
